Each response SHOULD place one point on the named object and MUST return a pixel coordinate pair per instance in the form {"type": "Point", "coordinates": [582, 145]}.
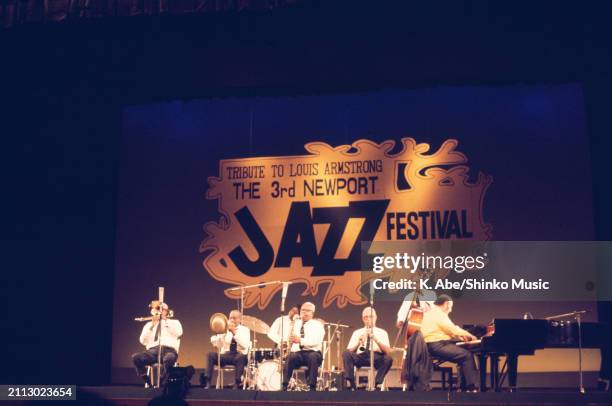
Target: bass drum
{"type": "Point", "coordinates": [269, 376]}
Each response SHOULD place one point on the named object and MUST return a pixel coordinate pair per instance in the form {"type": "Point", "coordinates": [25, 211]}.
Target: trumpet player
{"type": "Point", "coordinates": [170, 331]}
{"type": "Point", "coordinates": [357, 353]}
{"type": "Point", "coordinates": [233, 346]}
{"type": "Point", "coordinates": [306, 342]}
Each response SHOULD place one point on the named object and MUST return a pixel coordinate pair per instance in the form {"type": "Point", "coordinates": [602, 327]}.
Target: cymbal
{"type": "Point", "coordinates": [256, 325]}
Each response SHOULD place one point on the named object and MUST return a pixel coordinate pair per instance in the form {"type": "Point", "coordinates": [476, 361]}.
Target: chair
{"type": "Point", "coordinates": [232, 370]}
{"type": "Point", "coordinates": [227, 369]}
{"type": "Point", "coordinates": [298, 380]}
{"type": "Point", "coordinates": [363, 373]}
{"type": "Point", "coordinates": [152, 369]}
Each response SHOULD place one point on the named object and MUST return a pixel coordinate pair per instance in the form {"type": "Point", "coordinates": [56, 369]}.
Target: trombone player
{"type": "Point", "coordinates": [170, 330]}
{"type": "Point", "coordinates": [233, 346]}
{"type": "Point", "coordinates": [357, 352]}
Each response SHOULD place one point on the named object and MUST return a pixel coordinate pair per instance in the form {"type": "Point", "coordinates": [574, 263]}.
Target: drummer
{"type": "Point", "coordinates": [281, 328]}
{"type": "Point", "coordinates": [233, 346]}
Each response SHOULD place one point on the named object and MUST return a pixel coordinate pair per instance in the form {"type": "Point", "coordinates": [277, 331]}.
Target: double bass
{"type": "Point", "coordinates": [412, 323]}
{"type": "Point", "coordinates": [414, 319]}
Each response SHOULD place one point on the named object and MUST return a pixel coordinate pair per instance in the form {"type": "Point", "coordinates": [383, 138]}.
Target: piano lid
{"type": "Point", "coordinates": [519, 333]}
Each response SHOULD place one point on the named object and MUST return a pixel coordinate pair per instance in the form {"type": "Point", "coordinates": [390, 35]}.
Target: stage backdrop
{"type": "Point", "coordinates": [225, 192]}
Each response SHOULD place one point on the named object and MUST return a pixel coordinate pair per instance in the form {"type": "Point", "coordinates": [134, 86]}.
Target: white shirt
{"type": "Point", "coordinates": [426, 299]}
{"type": "Point", "coordinates": [243, 339]}
{"type": "Point", "coordinates": [280, 328]}
{"type": "Point", "coordinates": [171, 331]}
{"type": "Point", "coordinates": [380, 335]}
{"type": "Point", "coordinates": [314, 333]}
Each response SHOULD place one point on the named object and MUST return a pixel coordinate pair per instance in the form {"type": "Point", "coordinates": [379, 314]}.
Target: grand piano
{"type": "Point", "coordinates": [515, 337]}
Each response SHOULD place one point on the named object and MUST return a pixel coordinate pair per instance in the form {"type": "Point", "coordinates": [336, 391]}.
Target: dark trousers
{"type": "Point", "coordinates": [382, 364]}
{"type": "Point", "coordinates": [149, 357]}
{"type": "Point", "coordinates": [311, 359]}
{"type": "Point", "coordinates": [238, 360]}
{"type": "Point", "coordinates": [449, 351]}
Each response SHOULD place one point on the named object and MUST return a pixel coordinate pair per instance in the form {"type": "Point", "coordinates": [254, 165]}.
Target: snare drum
{"type": "Point", "coordinates": [269, 376]}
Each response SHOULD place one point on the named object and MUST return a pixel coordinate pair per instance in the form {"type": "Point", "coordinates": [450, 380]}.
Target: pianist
{"type": "Point", "coordinates": [441, 336]}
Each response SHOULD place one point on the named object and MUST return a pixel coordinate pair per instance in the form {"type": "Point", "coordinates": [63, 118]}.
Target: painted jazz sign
{"type": "Point", "coordinates": [302, 218]}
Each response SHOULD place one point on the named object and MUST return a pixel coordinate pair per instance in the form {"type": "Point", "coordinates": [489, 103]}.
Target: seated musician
{"type": "Point", "coordinates": [306, 344]}
{"type": "Point", "coordinates": [441, 336]}
{"type": "Point", "coordinates": [281, 327]}
{"type": "Point", "coordinates": [357, 352]}
{"type": "Point", "coordinates": [233, 346]}
{"type": "Point", "coordinates": [170, 330]}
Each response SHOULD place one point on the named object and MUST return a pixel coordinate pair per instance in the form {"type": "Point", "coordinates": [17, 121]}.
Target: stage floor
{"type": "Point", "coordinates": [137, 395]}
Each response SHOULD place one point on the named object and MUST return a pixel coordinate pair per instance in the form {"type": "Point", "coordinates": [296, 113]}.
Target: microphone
{"type": "Point", "coordinates": [284, 295]}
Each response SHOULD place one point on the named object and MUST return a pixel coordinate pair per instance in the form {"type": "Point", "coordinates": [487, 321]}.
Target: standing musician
{"type": "Point", "coordinates": [441, 335]}
{"type": "Point", "coordinates": [233, 345]}
{"type": "Point", "coordinates": [357, 352]}
{"type": "Point", "coordinates": [424, 300]}
{"type": "Point", "coordinates": [281, 328]}
{"type": "Point", "coordinates": [170, 329]}
{"type": "Point", "coordinates": [306, 343]}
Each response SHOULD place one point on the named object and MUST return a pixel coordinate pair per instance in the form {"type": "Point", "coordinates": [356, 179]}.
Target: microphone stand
{"type": "Point", "coordinates": [282, 339]}
{"type": "Point", "coordinates": [281, 347]}
{"type": "Point", "coordinates": [338, 343]}
{"type": "Point", "coordinates": [371, 382]}
{"type": "Point", "coordinates": [159, 337]}
{"type": "Point", "coordinates": [245, 287]}
{"type": "Point", "coordinates": [337, 333]}
{"type": "Point", "coordinates": [242, 301]}
{"type": "Point", "coordinates": [219, 384]}
{"type": "Point", "coordinates": [326, 349]}
{"type": "Point", "coordinates": [159, 349]}
{"type": "Point", "coordinates": [577, 314]}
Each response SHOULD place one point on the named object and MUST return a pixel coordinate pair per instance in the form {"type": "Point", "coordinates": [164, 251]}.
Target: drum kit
{"type": "Point", "coordinates": [263, 371]}
{"type": "Point", "coordinates": [265, 365]}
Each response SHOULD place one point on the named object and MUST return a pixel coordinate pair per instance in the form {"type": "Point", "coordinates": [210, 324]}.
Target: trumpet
{"type": "Point", "coordinates": [364, 339]}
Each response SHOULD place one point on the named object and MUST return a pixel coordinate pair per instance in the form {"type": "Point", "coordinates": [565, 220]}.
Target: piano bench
{"type": "Point", "coordinates": [446, 374]}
